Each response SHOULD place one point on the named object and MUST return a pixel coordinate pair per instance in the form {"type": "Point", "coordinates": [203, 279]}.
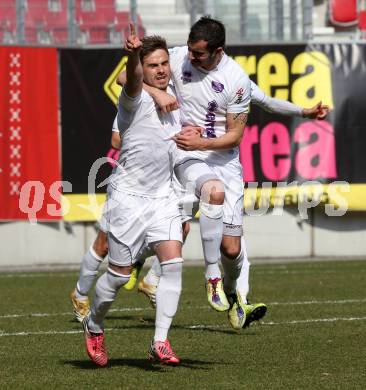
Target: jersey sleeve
{"type": "Point", "coordinates": [127, 107]}
{"type": "Point", "coordinates": [176, 58]}
{"type": "Point", "coordinates": [273, 105]}
{"type": "Point", "coordinates": [241, 95]}
{"type": "Point", "coordinates": [115, 125]}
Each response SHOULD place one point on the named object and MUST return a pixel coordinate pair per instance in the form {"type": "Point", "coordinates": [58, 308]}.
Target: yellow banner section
{"type": "Point", "coordinates": [111, 88]}
{"type": "Point", "coordinates": [338, 195]}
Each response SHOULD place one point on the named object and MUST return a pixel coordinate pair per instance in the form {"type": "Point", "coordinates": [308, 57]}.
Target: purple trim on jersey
{"type": "Point", "coordinates": [216, 86]}
{"type": "Point", "coordinates": [210, 119]}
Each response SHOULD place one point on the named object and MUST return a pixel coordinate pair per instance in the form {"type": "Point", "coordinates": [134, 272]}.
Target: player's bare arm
{"type": "Point", "coordinates": [164, 100]}
{"type": "Point", "coordinates": [115, 140]}
{"type": "Point", "coordinates": [134, 75]}
{"type": "Point", "coordinates": [235, 129]}
{"type": "Point", "coordinates": [319, 111]}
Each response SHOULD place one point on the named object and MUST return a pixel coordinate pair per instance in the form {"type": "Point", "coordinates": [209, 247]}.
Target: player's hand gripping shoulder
{"type": "Point", "coordinates": [319, 111]}
{"type": "Point", "coordinates": [164, 100]}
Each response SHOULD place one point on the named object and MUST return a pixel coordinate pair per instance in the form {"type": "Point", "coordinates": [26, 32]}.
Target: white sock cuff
{"type": "Point", "coordinates": [94, 254]}
{"type": "Point", "coordinates": [114, 273]}
{"type": "Point", "coordinates": [176, 260]}
{"type": "Point", "coordinates": [214, 211]}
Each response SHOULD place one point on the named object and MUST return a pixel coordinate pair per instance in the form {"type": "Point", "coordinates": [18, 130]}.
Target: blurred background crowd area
{"type": "Point", "coordinates": [106, 22]}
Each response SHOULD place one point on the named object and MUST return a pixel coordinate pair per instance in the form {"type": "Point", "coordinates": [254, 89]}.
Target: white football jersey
{"type": "Point", "coordinates": [206, 97]}
{"type": "Point", "coordinates": [115, 125]}
{"type": "Point", "coordinates": [148, 154]}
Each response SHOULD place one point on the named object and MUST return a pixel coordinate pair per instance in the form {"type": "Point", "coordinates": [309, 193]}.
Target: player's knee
{"type": "Point", "coordinates": [231, 250]}
{"type": "Point", "coordinates": [213, 192]}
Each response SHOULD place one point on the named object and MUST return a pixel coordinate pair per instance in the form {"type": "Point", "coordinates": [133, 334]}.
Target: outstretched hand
{"type": "Point", "coordinates": [132, 43]}
{"type": "Point", "coordinates": [319, 111]}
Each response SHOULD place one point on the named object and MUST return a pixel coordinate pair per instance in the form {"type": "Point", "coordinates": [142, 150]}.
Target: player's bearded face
{"type": "Point", "coordinates": [156, 69]}
{"type": "Point", "coordinates": [201, 57]}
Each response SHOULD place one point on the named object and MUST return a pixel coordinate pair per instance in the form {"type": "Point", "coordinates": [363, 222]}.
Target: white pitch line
{"type": "Point", "coordinates": [69, 313]}
{"type": "Point", "coordinates": [338, 302]}
{"type": "Point", "coordinates": [38, 275]}
{"type": "Point", "coordinates": [192, 327]}
{"type": "Point", "coordinates": [137, 309]}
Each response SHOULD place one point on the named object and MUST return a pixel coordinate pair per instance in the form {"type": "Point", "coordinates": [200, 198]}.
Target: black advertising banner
{"type": "Point", "coordinates": [298, 153]}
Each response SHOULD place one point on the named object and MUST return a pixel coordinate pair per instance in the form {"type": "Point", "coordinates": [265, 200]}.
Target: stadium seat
{"type": "Point", "coordinates": [343, 13]}
{"type": "Point", "coordinates": [7, 22]}
{"type": "Point", "coordinates": [98, 22]}
{"type": "Point", "coordinates": [45, 24]}
{"type": "Point", "coordinates": [362, 23]}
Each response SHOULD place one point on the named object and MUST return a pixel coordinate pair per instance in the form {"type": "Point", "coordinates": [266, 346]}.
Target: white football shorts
{"type": "Point", "coordinates": [135, 221]}
{"type": "Point", "coordinates": [193, 173]}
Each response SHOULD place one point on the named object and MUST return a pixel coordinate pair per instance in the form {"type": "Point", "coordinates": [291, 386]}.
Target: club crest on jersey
{"type": "Point", "coordinates": [187, 76]}
{"type": "Point", "coordinates": [216, 86]}
{"type": "Point", "coordinates": [239, 95]}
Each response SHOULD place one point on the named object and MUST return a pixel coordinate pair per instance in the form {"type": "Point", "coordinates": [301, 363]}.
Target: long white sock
{"type": "Point", "coordinates": [105, 293]}
{"type": "Point", "coordinates": [211, 227]}
{"type": "Point", "coordinates": [167, 296]}
{"type": "Point", "coordinates": [88, 271]}
{"type": "Point", "coordinates": [232, 269]}
{"type": "Point", "coordinates": [243, 280]}
{"type": "Point", "coordinates": [154, 274]}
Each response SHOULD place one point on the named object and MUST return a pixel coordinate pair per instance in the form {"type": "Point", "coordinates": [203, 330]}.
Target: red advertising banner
{"type": "Point", "coordinates": [29, 147]}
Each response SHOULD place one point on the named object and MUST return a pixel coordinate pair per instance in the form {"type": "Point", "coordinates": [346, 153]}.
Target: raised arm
{"type": "Point", "coordinates": [134, 75]}
{"type": "Point", "coordinates": [284, 107]}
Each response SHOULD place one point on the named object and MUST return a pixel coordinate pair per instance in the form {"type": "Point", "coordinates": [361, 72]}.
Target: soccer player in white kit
{"type": "Point", "coordinates": [142, 206]}
{"type": "Point", "coordinates": [214, 93]}
{"type": "Point", "coordinates": [93, 258]}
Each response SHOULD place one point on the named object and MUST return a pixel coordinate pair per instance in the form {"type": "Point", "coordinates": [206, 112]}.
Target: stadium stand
{"type": "Point", "coordinates": [7, 23]}
{"type": "Point", "coordinates": [46, 22]}
{"type": "Point", "coordinates": [98, 22]}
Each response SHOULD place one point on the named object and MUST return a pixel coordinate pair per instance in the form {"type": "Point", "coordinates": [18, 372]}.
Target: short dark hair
{"type": "Point", "coordinates": [210, 30]}
{"type": "Point", "coordinates": [150, 44]}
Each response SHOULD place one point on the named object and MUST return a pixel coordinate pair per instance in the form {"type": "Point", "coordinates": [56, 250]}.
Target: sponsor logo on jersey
{"type": "Point", "coordinates": [187, 76]}
{"type": "Point", "coordinates": [210, 119]}
{"type": "Point", "coordinates": [216, 86]}
{"type": "Point", "coordinates": [239, 95]}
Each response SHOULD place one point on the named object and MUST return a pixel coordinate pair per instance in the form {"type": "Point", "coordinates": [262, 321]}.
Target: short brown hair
{"type": "Point", "coordinates": [150, 44]}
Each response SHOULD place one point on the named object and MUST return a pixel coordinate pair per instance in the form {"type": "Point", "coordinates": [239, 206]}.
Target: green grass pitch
{"type": "Point", "coordinates": [313, 336]}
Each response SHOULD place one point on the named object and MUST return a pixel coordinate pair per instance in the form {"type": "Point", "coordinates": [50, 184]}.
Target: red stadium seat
{"type": "Point", "coordinates": [343, 13]}
{"type": "Point", "coordinates": [45, 25]}
{"type": "Point", "coordinates": [7, 22]}
{"type": "Point", "coordinates": [362, 23]}
{"type": "Point", "coordinates": [99, 23]}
